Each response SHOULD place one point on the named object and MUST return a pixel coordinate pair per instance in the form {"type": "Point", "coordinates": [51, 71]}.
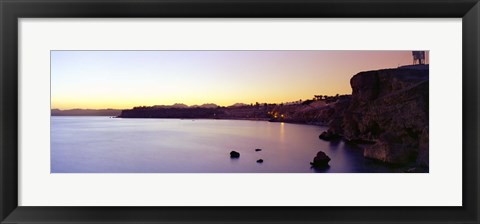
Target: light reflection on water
{"type": "Point", "coordinates": [114, 145]}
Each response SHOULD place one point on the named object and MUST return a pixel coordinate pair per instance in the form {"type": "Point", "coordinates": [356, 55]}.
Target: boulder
{"type": "Point", "coordinates": [328, 136]}
{"type": "Point", "coordinates": [321, 160]}
{"type": "Point", "coordinates": [260, 161]}
{"type": "Point", "coordinates": [234, 154]}
{"type": "Point", "coordinates": [257, 150]}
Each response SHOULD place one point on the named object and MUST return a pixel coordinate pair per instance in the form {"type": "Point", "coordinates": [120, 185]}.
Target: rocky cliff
{"type": "Point", "coordinates": [388, 108]}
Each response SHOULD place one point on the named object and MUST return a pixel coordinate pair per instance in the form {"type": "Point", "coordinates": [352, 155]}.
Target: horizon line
{"type": "Point", "coordinates": [200, 105]}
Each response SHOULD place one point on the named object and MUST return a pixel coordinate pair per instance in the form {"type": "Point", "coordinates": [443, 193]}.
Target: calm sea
{"type": "Point", "coordinates": [115, 145]}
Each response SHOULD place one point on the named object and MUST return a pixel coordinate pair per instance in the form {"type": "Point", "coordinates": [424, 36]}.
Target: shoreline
{"type": "Point", "coordinates": [320, 124]}
{"type": "Point", "coordinates": [235, 119]}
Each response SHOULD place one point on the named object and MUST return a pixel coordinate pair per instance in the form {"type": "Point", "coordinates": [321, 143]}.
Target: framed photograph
{"type": "Point", "coordinates": [239, 112]}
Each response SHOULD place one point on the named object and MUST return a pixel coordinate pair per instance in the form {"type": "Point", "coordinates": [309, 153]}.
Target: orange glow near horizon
{"type": "Point", "coordinates": [125, 79]}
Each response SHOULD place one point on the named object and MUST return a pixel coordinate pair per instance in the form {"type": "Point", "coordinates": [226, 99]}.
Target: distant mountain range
{"type": "Point", "coordinates": [181, 105]}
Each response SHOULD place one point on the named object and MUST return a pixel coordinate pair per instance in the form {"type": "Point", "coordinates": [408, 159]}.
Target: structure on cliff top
{"type": "Point", "coordinates": [418, 57]}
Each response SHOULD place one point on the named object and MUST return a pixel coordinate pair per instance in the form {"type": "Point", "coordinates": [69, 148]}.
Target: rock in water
{"type": "Point", "coordinates": [234, 154]}
{"type": "Point", "coordinates": [260, 161]}
{"type": "Point", "coordinates": [256, 150]}
{"type": "Point", "coordinates": [321, 160]}
{"type": "Point", "coordinates": [328, 136]}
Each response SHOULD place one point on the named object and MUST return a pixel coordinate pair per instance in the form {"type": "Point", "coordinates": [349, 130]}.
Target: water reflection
{"type": "Point", "coordinates": [111, 145]}
{"type": "Point", "coordinates": [282, 132]}
{"type": "Point", "coordinates": [320, 169]}
{"type": "Point", "coordinates": [335, 143]}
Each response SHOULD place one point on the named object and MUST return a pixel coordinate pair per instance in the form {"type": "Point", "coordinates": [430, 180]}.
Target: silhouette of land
{"type": "Point", "coordinates": [86, 112]}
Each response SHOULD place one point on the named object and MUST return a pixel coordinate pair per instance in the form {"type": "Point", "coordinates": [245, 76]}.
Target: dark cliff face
{"type": "Point", "coordinates": [389, 108]}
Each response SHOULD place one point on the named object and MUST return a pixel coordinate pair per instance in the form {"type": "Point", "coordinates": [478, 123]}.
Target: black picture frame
{"type": "Point", "coordinates": [11, 10]}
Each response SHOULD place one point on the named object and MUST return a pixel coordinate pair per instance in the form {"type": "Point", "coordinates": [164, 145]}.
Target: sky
{"type": "Point", "coordinates": [124, 79]}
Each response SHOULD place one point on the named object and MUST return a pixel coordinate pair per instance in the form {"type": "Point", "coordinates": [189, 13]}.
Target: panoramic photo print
{"type": "Point", "coordinates": [258, 111]}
